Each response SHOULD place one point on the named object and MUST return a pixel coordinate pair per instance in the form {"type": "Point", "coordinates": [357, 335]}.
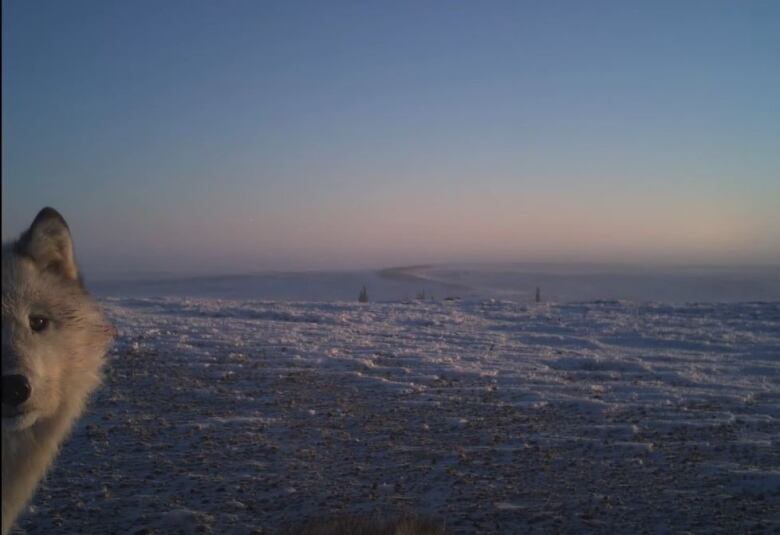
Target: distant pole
{"type": "Point", "coordinates": [538, 295]}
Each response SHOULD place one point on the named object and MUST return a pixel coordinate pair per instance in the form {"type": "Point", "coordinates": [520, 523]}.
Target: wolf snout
{"type": "Point", "coordinates": [16, 390]}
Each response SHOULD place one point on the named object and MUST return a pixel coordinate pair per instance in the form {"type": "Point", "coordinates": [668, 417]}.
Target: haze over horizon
{"type": "Point", "coordinates": [210, 137]}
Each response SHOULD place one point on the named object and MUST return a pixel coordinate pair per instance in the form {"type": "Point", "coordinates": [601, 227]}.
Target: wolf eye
{"type": "Point", "coordinates": [38, 323]}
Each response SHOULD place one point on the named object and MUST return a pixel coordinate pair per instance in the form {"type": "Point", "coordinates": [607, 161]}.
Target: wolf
{"type": "Point", "coordinates": [54, 341]}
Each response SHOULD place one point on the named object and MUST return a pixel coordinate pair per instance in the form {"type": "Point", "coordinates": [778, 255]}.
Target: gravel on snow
{"type": "Point", "coordinates": [497, 417]}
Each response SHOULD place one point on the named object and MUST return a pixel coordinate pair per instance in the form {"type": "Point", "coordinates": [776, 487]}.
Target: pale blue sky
{"type": "Point", "coordinates": [236, 136]}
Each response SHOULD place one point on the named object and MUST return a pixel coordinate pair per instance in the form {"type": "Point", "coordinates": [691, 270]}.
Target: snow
{"type": "Point", "coordinates": [499, 416]}
{"type": "Point", "coordinates": [515, 282]}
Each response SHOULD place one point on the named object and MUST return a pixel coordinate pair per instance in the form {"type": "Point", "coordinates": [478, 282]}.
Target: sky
{"type": "Point", "coordinates": [200, 136]}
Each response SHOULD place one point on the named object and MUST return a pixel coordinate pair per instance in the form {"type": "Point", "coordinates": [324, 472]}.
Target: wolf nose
{"type": "Point", "coordinates": [16, 390]}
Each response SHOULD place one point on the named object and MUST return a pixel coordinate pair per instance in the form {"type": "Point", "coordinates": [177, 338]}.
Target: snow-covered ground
{"type": "Point", "coordinates": [229, 416]}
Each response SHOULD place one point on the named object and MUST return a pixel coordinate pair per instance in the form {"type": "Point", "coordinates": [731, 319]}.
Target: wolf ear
{"type": "Point", "coordinates": [47, 242]}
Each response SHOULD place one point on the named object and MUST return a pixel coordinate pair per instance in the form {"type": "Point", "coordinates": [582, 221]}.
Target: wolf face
{"type": "Point", "coordinates": [54, 339]}
{"type": "Point", "coordinates": [53, 334]}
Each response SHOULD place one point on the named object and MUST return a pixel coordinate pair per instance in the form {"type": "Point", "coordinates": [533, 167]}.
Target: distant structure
{"type": "Point", "coordinates": [538, 295]}
{"type": "Point", "coordinates": [363, 297]}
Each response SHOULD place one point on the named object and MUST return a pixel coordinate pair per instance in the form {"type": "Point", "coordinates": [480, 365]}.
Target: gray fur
{"type": "Point", "coordinates": [62, 363]}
